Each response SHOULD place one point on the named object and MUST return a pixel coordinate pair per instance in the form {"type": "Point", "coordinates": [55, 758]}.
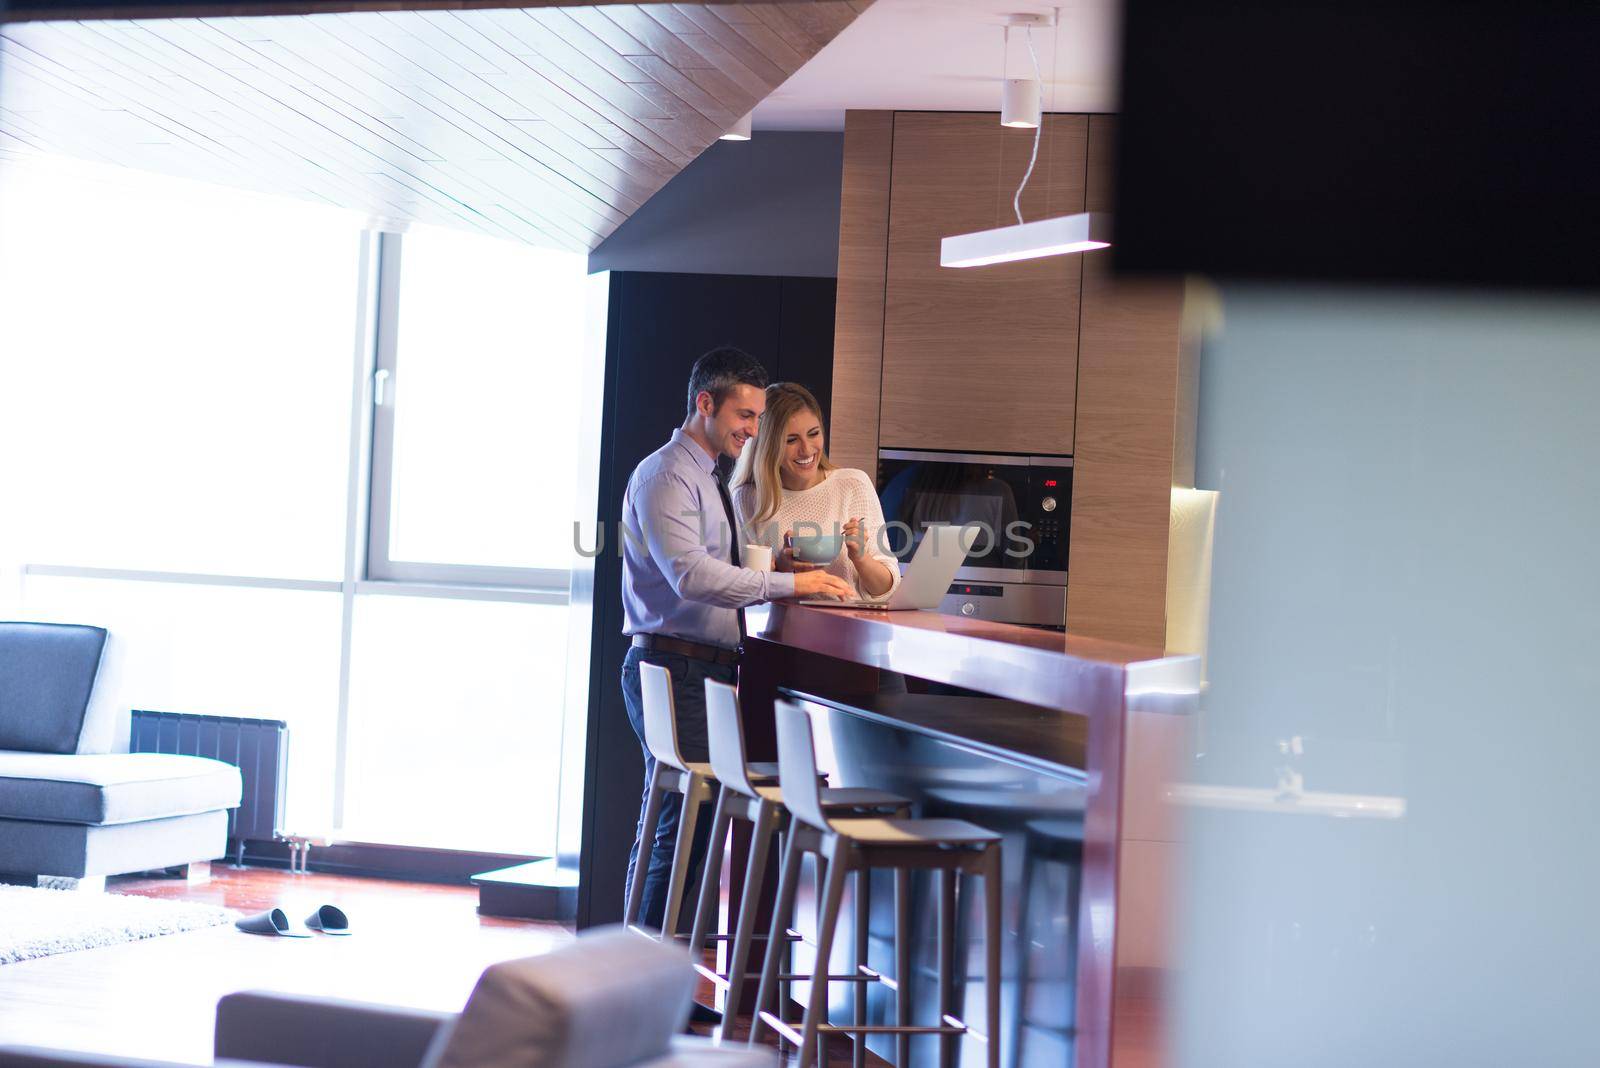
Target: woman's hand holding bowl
{"type": "Point", "coordinates": [788, 561]}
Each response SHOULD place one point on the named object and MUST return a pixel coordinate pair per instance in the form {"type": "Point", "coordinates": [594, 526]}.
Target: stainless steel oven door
{"type": "Point", "coordinates": [1022, 502]}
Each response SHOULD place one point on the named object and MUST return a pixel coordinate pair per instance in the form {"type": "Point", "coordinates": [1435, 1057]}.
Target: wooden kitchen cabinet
{"type": "Point", "coordinates": [858, 317]}
{"type": "Point", "coordinates": [980, 359]}
{"type": "Point", "coordinates": [1132, 443]}
{"type": "Point", "coordinates": [1043, 357]}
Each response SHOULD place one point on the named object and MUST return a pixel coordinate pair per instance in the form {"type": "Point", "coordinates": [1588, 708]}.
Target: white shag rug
{"type": "Point", "coordinates": [38, 922]}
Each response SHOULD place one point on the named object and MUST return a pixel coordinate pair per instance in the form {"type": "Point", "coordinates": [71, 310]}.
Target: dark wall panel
{"type": "Point", "coordinates": [659, 325]}
{"type": "Point", "coordinates": [805, 344]}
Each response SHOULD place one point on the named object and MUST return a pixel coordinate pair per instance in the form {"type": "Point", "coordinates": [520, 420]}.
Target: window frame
{"type": "Point", "coordinates": [384, 393]}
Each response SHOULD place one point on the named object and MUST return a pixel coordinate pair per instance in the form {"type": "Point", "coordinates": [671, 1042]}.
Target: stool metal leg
{"type": "Point", "coordinates": [819, 877]}
{"type": "Point", "coordinates": [817, 1003]}
{"type": "Point", "coordinates": [858, 1057]}
{"type": "Point", "coordinates": [766, 825]}
{"type": "Point", "coordinates": [785, 986]}
{"type": "Point", "coordinates": [782, 915]}
{"type": "Point", "coordinates": [697, 793]}
{"type": "Point", "coordinates": [991, 954]}
{"type": "Point", "coordinates": [1075, 903]}
{"type": "Point", "coordinates": [946, 879]}
{"type": "Point", "coordinates": [646, 849]}
{"type": "Point", "coordinates": [706, 912]}
{"type": "Point", "coordinates": [902, 965]}
{"type": "Point", "coordinates": [1024, 952]}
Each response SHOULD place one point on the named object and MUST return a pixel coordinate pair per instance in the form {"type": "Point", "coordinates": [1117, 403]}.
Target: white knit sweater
{"type": "Point", "coordinates": [843, 494]}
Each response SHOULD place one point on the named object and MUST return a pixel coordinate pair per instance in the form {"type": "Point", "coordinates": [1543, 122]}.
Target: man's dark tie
{"type": "Point", "coordinates": [733, 535]}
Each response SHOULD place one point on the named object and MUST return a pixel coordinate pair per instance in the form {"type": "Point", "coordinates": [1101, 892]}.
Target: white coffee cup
{"type": "Point", "coordinates": [757, 557]}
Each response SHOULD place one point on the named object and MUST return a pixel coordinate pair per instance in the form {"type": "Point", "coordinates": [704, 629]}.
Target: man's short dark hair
{"type": "Point", "coordinates": [719, 370]}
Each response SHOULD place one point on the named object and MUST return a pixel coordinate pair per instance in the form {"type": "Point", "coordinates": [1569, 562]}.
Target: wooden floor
{"type": "Point", "coordinates": [414, 944]}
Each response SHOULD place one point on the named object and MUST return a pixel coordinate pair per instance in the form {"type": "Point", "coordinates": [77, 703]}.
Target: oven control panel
{"type": "Point", "coordinates": [1020, 603]}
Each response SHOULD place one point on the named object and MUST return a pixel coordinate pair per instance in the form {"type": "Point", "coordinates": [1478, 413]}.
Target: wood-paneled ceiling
{"type": "Point", "coordinates": [549, 125]}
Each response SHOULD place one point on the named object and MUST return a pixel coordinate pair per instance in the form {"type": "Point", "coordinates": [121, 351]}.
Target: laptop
{"type": "Point", "coordinates": [926, 580]}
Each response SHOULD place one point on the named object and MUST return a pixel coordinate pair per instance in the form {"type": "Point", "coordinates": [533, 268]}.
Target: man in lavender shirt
{"type": "Point", "coordinates": [683, 589]}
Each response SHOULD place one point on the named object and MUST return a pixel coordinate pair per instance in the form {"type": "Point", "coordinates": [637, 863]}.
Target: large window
{"type": "Point", "coordinates": [305, 472]}
{"type": "Point", "coordinates": [455, 707]}
{"type": "Point", "coordinates": [177, 373]}
{"type": "Point", "coordinates": [478, 381]}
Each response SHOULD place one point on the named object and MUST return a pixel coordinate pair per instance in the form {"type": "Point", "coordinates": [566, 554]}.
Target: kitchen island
{"type": "Point", "coordinates": [1065, 745]}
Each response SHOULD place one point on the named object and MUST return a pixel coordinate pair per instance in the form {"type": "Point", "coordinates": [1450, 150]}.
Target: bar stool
{"type": "Point", "coordinates": [1050, 823]}
{"type": "Point", "coordinates": [946, 846]}
{"type": "Point", "coordinates": [762, 807]}
{"type": "Point", "coordinates": [1058, 841]}
{"type": "Point", "coordinates": [673, 774]}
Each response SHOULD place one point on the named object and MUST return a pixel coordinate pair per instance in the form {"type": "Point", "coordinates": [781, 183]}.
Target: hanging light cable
{"type": "Point", "coordinates": [1038, 126]}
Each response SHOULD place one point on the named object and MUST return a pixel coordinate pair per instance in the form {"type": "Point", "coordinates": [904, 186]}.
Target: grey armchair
{"type": "Point", "coordinates": [612, 999]}
{"type": "Point", "coordinates": [70, 807]}
{"type": "Point", "coordinates": [285, 1029]}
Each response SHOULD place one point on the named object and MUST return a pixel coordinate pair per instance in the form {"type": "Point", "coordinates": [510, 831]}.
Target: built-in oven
{"type": "Point", "coordinates": [1017, 570]}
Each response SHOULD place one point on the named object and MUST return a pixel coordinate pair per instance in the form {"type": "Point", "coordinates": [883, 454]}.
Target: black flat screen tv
{"type": "Point", "coordinates": [1351, 140]}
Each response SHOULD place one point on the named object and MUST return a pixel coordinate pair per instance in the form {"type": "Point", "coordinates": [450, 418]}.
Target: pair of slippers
{"type": "Point", "coordinates": [328, 919]}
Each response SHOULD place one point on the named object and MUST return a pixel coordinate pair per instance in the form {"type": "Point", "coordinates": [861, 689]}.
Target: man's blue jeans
{"type": "Point", "coordinates": [689, 701]}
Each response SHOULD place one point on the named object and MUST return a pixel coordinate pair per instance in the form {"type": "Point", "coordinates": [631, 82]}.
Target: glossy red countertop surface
{"type": "Point", "coordinates": [783, 615]}
{"type": "Point", "coordinates": [1040, 667]}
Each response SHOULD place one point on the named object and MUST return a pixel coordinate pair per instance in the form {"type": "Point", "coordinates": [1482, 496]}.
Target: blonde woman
{"type": "Point", "coordinates": [785, 485]}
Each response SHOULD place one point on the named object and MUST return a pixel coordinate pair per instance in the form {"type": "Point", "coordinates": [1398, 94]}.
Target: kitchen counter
{"type": "Point", "coordinates": [1008, 726]}
{"type": "Point", "coordinates": [1040, 667]}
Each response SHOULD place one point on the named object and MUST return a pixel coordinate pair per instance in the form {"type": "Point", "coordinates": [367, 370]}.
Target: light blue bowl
{"type": "Point", "coordinates": [818, 548]}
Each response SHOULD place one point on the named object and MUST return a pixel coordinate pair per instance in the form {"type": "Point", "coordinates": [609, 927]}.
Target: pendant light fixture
{"type": "Point", "coordinates": [739, 131]}
{"type": "Point", "coordinates": [1055, 236]}
{"type": "Point", "coordinates": [1019, 104]}
{"type": "Point", "coordinates": [1019, 97]}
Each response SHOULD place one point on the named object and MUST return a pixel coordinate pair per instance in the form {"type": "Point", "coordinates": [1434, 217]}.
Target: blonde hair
{"type": "Point", "coordinates": [760, 463]}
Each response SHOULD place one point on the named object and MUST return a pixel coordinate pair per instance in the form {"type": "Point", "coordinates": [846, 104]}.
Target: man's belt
{"type": "Point", "coordinates": [660, 643]}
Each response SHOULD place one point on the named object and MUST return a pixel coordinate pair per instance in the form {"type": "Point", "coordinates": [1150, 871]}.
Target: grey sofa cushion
{"type": "Point", "coordinates": [101, 788]}
{"type": "Point", "coordinates": [611, 998]}
{"type": "Point", "coordinates": [47, 673]}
